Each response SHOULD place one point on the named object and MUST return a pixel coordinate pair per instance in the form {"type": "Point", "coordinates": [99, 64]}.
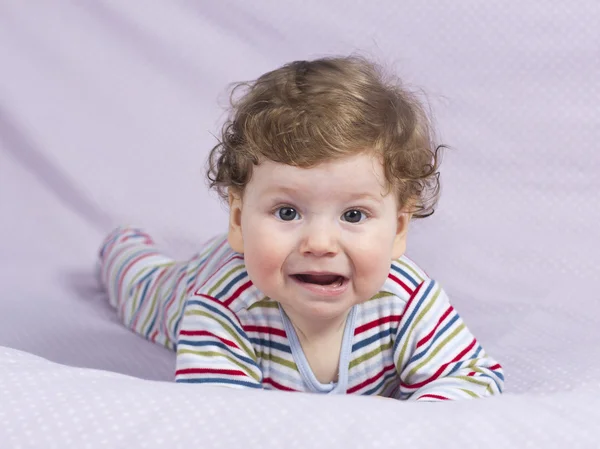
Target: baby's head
{"type": "Point", "coordinates": [323, 164]}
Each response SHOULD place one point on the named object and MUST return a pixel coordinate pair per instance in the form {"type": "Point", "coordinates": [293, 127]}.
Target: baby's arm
{"type": "Point", "coordinates": [212, 347]}
{"type": "Point", "coordinates": [436, 355]}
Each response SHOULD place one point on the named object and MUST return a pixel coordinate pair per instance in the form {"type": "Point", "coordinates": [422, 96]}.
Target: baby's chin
{"type": "Point", "coordinates": [319, 311]}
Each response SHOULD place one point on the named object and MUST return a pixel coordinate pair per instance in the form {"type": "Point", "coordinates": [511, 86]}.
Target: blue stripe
{"type": "Point", "coordinates": [149, 331]}
{"type": "Point", "coordinates": [124, 264]}
{"type": "Point", "coordinates": [176, 326]}
{"type": "Point", "coordinates": [461, 363]}
{"type": "Point", "coordinates": [231, 283]}
{"type": "Point", "coordinates": [477, 374]}
{"type": "Point", "coordinates": [193, 273]}
{"type": "Point", "coordinates": [110, 240]}
{"type": "Point", "coordinates": [150, 273]}
{"type": "Point", "coordinates": [271, 344]}
{"type": "Point", "coordinates": [433, 340]}
{"type": "Point", "coordinates": [143, 295]}
{"type": "Point", "coordinates": [217, 380]}
{"type": "Point", "coordinates": [371, 339]}
{"type": "Point", "coordinates": [214, 309]}
{"type": "Point", "coordinates": [217, 344]}
{"type": "Point", "coordinates": [380, 384]}
{"type": "Point", "coordinates": [405, 274]}
{"type": "Point", "coordinates": [412, 315]}
{"type": "Point", "coordinates": [499, 374]}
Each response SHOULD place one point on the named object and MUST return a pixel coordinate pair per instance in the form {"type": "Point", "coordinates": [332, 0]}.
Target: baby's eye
{"type": "Point", "coordinates": [354, 216]}
{"type": "Point", "coordinates": [287, 213]}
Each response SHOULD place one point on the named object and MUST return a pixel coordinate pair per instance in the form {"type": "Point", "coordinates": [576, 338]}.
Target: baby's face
{"type": "Point", "coordinates": [318, 240]}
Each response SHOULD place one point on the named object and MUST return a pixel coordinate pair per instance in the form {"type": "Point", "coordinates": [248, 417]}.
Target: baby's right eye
{"type": "Point", "coordinates": [287, 213]}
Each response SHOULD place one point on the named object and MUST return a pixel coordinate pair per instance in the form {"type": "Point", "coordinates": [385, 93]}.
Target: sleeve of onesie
{"type": "Point", "coordinates": [212, 347]}
{"type": "Point", "coordinates": [436, 356]}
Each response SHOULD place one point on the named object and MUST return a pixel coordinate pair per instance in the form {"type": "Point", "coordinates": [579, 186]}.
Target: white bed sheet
{"type": "Point", "coordinates": [106, 115]}
{"type": "Point", "coordinates": [46, 405]}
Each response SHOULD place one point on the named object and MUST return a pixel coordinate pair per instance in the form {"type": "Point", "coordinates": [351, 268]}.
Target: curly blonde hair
{"type": "Point", "coordinates": [308, 112]}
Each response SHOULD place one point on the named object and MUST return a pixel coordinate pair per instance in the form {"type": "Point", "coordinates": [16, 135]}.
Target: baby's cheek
{"type": "Point", "coordinates": [372, 269]}
{"type": "Point", "coordinates": [263, 263]}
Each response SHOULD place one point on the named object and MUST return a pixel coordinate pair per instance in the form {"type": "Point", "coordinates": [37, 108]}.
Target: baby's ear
{"type": "Point", "coordinates": [401, 233]}
{"type": "Point", "coordinates": [234, 236]}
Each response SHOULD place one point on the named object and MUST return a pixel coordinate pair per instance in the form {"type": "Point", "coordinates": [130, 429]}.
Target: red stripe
{"type": "Point", "coordinates": [153, 336]}
{"type": "Point", "coordinates": [428, 336]}
{"type": "Point", "coordinates": [268, 380]}
{"type": "Point", "coordinates": [471, 374]}
{"type": "Point", "coordinates": [148, 294]}
{"type": "Point", "coordinates": [371, 380]}
{"type": "Point", "coordinates": [229, 372]}
{"type": "Point", "coordinates": [441, 368]}
{"type": "Point", "coordinates": [412, 297]}
{"type": "Point", "coordinates": [213, 299]}
{"type": "Point", "coordinates": [171, 302]}
{"type": "Point", "coordinates": [214, 253]}
{"type": "Point", "coordinates": [126, 270]}
{"type": "Point", "coordinates": [237, 293]}
{"type": "Point", "coordinates": [375, 323]}
{"type": "Point", "coordinates": [400, 283]}
{"type": "Point", "coordinates": [109, 247]}
{"type": "Point", "coordinates": [433, 396]}
{"type": "Point", "coordinates": [495, 367]}
{"type": "Point", "coordinates": [109, 264]}
{"type": "Point", "coordinates": [217, 272]}
{"type": "Point", "coordinates": [208, 334]}
{"type": "Point", "coordinates": [266, 330]}
{"type": "Point", "coordinates": [129, 234]}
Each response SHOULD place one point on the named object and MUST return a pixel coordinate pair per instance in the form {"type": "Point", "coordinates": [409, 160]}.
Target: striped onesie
{"type": "Point", "coordinates": [406, 342]}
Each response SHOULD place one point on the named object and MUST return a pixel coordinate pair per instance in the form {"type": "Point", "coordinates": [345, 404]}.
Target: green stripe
{"type": "Point", "coordinates": [219, 354]}
{"type": "Point", "coordinates": [155, 296]}
{"type": "Point", "coordinates": [380, 295]}
{"type": "Point", "coordinates": [229, 330]}
{"type": "Point", "coordinates": [150, 313]}
{"type": "Point", "coordinates": [389, 382]}
{"type": "Point", "coordinates": [437, 349]}
{"type": "Point", "coordinates": [134, 280]}
{"type": "Point", "coordinates": [133, 300]}
{"type": "Point", "coordinates": [412, 328]}
{"type": "Point", "coordinates": [182, 301]}
{"type": "Point", "coordinates": [477, 369]}
{"type": "Point", "coordinates": [370, 354]}
{"type": "Point", "coordinates": [265, 303]}
{"type": "Point", "coordinates": [142, 272]}
{"type": "Point", "coordinates": [279, 360]}
{"type": "Point", "coordinates": [472, 380]}
{"type": "Point", "coordinates": [469, 392]}
{"type": "Point", "coordinates": [224, 278]}
{"type": "Point", "coordinates": [411, 269]}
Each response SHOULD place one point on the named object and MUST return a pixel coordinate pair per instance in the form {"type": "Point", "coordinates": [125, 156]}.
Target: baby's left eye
{"type": "Point", "coordinates": [354, 216]}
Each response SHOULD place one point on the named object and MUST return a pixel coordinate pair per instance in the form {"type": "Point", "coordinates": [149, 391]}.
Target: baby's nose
{"type": "Point", "coordinates": [320, 241]}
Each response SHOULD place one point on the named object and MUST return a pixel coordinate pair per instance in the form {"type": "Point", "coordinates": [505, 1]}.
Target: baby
{"type": "Point", "coordinates": [323, 164]}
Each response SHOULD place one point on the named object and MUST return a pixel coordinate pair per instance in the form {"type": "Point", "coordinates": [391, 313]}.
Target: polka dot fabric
{"type": "Point", "coordinates": [47, 405]}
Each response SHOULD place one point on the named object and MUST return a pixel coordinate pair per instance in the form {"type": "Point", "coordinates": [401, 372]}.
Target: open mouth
{"type": "Point", "coordinates": [331, 280]}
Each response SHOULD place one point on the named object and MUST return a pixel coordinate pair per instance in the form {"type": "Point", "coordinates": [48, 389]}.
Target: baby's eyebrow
{"type": "Point", "coordinates": [348, 196]}
{"type": "Point", "coordinates": [366, 196]}
{"type": "Point", "coordinates": [281, 189]}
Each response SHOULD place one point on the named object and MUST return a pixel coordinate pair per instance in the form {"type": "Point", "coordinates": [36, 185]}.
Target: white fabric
{"type": "Point", "coordinates": [46, 405]}
{"type": "Point", "coordinates": [107, 111]}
